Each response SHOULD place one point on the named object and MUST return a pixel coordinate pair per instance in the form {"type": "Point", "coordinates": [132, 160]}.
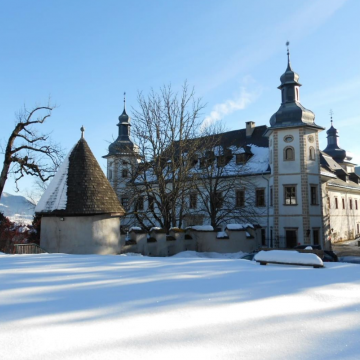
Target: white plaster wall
{"type": "Point", "coordinates": [343, 222]}
{"type": "Point", "coordinates": [287, 167]}
{"type": "Point", "coordinates": [98, 234]}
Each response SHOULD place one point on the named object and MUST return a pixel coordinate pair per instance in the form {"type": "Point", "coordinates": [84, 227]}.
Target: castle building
{"type": "Point", "coordinates": [302, 195]}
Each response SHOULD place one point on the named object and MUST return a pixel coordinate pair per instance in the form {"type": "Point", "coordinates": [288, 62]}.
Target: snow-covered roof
{"type": "Point", "coordinates": [135, 228]}
{"type": "Point", "coordinates": [55, 196]}
{"type": "Point", "coordinates": [201, 227]}
{"type": "Point", "coordinates": [239, 226]}
{"type": "Point", "coordinates": [79, 187]}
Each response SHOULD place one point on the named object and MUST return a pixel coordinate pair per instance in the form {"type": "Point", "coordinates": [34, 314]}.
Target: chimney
{"type": "Point", "coordinates": [250, 126]}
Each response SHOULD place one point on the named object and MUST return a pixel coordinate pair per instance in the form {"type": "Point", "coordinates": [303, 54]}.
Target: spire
{"type": "Point", "coordinates": [82, 129]}
{"type": "Point", "coordinates": [288, 55]}
{"type": "Point", "coordinates": [125, 101]}
{"type": "Point", "coordinates": [331, 117]}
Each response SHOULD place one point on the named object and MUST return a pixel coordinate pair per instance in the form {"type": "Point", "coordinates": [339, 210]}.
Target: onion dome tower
{"type": "Point", "coordinates": [291, 112]}
{"type": "Point", "coordinates": [123, 144]}
{"type": "Point", "coordinates": [333, 149]}
{"type": "Point", "coordinates": [295, 168]}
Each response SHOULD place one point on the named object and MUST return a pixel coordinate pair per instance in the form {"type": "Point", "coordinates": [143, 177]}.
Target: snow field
{"type": "Point", "coordinates": [55, 306]}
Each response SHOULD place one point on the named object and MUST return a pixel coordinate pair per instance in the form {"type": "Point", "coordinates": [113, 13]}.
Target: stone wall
{"type": "Point", "coordinates": [157, 243]}
{"type": "Point", "coordinates": [99, 234]}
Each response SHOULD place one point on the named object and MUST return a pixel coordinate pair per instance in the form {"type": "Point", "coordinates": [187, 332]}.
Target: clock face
{"type": "Point", "coordinates": [288, 138]}
{"type": "Point", "coordinates": [311, 138]}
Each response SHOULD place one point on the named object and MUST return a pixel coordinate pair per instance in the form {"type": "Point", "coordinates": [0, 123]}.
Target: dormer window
{"type": "Point", "coordinates": [221, 160]}
{"type": "Point", "coordinates": [241, 159]}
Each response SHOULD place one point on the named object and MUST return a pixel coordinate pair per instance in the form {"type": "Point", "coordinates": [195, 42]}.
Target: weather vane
{"type": "Point", "coordinates": [124, 97]}
{"type": "Point", "coordinates": [287, 45]}
{"type": "Point", "coordinates": [82, 129]}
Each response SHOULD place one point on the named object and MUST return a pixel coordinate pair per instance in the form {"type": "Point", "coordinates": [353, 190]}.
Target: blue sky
{"type": "Point", "coordinates": [85, 54]}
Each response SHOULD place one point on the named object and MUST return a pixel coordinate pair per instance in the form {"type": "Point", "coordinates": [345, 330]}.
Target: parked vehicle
{"type": "Point", "coordinates": [249, 256]}
{"type": "Point", "coordinates": [329, 256]}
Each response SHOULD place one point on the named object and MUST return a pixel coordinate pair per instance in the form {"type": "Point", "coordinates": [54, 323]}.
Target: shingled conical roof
{"type": "Point", "coordinates": [79, 187]}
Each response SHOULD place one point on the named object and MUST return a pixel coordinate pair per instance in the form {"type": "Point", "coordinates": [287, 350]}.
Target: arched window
{"type": "Point", "coordinates": [311, 153]}
{"type": "Point", "coordinates": [124, 173]}
{"type": "Point", "coordinates": [289, 153]}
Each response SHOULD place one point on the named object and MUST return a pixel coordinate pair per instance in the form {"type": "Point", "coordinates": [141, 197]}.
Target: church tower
{"type": "Point", "coordinates": [295, 185]}
{"type": "Point", "coordinates": [122, 159]}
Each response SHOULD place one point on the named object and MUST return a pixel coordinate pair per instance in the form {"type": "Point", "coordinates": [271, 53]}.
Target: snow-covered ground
{"type": "Point", "coordinates": [189, 306]}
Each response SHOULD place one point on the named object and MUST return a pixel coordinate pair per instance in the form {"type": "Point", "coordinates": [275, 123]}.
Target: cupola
{"type": "Point", "coordinates": [123, 144]}
{"type": "Point", "coordinates": [333, 149]}
{"type": "Point", "coordinates": [291, 113]}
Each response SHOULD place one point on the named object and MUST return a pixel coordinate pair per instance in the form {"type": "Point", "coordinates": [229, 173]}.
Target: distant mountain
{"type": "Point", "coordinates": [17, 208]}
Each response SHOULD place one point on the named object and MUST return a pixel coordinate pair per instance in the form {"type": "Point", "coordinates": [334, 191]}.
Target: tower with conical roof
{"type": "Point", "coordinates": [80, 210]}
{"type": "Point", "coordinates": [122, 158]}
{"type": "Point", "coordinates": [296, 214]}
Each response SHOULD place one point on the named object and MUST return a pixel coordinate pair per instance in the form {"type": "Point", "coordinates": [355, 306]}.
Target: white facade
{"type": "Point", "coordinates": [300, 183]}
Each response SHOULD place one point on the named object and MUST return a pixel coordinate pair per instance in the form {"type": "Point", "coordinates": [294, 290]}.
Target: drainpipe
{"type": "Point", "coordinates": [267, 209]}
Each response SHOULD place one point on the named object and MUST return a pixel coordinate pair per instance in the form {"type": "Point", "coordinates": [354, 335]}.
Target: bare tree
{"type": "Point", "coordinates": [28, 152]}
{"type": "Point", "coordinates": [162, 127]}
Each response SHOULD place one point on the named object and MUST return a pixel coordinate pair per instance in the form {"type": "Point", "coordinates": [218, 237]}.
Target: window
{"type": "Point", "coordinates": [110, 174]}
{"type": "Point", "coordinates": [218, 199]}
{"type": "Point", "coordinates": [343, 203]}
{"type": "Point", "coordinates": [336, 203]}
{"type": "Point", "coordinates": [311, 153]}
{"type": "Point", "coordinates": [271, 196]}
{"type": "Point", "coordinates": [202, 163]}
{"type": "Point", "coordinates": [289, 154]}
{"type": "Point", "coordinates": [260, 197]}
{"type": "Point", "coordinates": [240, 198]}
{"type": "Point", "coordinates": [150, 203]}
{"type": "Point", "coordinates": [356, 205]}
{"type": "Point", "coordinates": [240, 159]}
{"type": "Point", "coordinates": [350, 204]}
{"type": "Point", "coordinates": [125, 203]}
{"type": "Point", "coordinates": [263, 237]}
{"type": "Point", "coordinates": [125, 173]}
{"type": "Point", "coordinates": [193, 201]}
{"type": "Point", "coordinates": [221, 160]}
{"type": "Point", "coordinates": [313, 195]}
{"type": "Point", "coordinates": [290, 195]}
{"type": "Point", "coordinates": [193, 161]}
{"type": "Point", "coordinates": [140, 203]}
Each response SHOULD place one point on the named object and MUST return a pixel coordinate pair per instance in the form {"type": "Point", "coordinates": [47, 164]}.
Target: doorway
{"type": "Point", "coordinates": [316, 236]}
{"type": "Point", "coordinates": [291, 238]}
